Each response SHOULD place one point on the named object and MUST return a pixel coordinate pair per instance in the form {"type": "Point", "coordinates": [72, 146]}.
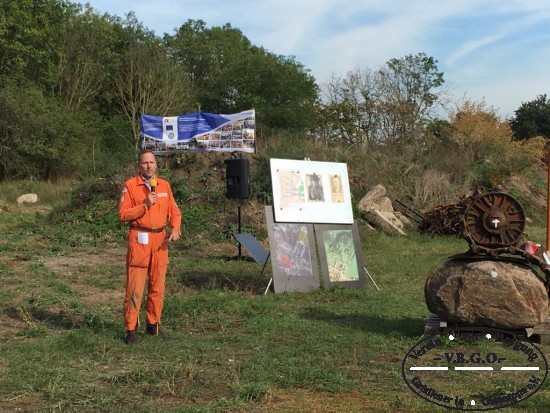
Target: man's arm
{"type": "Point", "coordinates": [128, 209]}
{"type": "Point", "coordinates": [174, 216]}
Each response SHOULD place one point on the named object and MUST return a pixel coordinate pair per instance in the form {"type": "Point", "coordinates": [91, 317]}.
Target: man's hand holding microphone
{"type": "Point", "coordinates": [152, 195]}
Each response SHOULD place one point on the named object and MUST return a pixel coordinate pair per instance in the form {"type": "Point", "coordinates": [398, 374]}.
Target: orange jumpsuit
{"type": "Point", "coordinates": [147, 247]}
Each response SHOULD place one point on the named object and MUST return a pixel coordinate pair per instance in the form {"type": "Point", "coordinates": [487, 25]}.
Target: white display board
{"type": "Point", "coordinates": [310, 191]}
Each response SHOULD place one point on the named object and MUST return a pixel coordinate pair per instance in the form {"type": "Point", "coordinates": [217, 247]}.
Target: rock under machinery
{"type": "Point", "coordinates": [494, 282]}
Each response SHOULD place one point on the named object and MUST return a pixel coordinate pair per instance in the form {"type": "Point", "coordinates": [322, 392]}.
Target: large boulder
{"type": "Point", "coordinates": [386, 221]}
{"type": "Point", "coordinates": [378, 210]}
{"type": "Point", "coordinates": [385, 204]}
{"type": "Point", "coordinates": [28, 199]}
{"type": "Point", "coordinates": [490, 293]}
{"type": "Point", "coordinates": [370, 200]}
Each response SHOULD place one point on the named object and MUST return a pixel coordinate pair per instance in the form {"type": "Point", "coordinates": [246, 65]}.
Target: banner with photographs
{"type": "Point", "coordinates": [199, 131]}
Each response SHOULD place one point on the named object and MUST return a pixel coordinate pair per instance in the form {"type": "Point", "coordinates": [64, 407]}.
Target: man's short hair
{"type": "Point", "coordinates": [144, 151]}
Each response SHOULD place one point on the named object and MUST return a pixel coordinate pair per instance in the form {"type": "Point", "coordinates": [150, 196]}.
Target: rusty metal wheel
{"type": "Point", "coordinates": [494, 220]}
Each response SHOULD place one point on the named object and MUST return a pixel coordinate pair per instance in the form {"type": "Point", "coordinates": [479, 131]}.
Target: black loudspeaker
{"type": "Point", "coordinates": [237, 176]}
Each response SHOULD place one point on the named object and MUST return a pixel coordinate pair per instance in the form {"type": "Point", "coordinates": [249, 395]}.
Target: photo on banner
{"type": "Point", "coordinates": [293, 255]}
{"type": "Point", "coordinates": [340, 253]}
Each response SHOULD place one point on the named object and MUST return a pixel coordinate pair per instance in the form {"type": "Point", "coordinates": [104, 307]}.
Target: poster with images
{"type": "Point", "coordinates": [311, 191]}
{"type": "Point", "coordinates": [340, 254]}
{"type": "Point", "coordinates": [200, 132]}
{"type": "Point", "coordinates": [293, 255]}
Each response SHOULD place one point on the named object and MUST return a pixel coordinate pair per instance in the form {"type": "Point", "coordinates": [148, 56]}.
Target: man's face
{"type": "Point", "coordinates": [147, 165]}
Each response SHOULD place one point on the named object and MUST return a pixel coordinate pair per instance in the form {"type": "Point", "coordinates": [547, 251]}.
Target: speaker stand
{"type": "Point", "coordinates": [239, 257]}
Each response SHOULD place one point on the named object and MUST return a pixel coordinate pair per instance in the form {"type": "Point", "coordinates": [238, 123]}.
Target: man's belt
{"type": "Point", "coordinates": [145, 229]}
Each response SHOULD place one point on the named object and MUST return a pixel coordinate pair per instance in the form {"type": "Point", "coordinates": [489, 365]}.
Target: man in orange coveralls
{"type": "Point", "coordinates": [147, 204]}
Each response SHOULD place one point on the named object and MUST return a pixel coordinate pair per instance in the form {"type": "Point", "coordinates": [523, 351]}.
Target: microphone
{"type": "Point", "coordinates": [153, 183]}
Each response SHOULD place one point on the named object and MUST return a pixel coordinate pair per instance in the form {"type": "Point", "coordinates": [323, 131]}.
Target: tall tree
{"type": "Point", "coordinates": [230, 74]}
{"type": "Point", "coordinates": [86, 57]}
{"type": "Point", "coordinates": [279, 88]}
{"type": "Point", "coordinates": [29, 30]}
{"type": "Point", "coordinates": [38, 138]}
{"type": "Point", "coordinates": [532, 119]}
{"type": "Point", "coordinates": [409, 86]}
{"type": "Point", "coordinates": [205, 53]}
{"type": "Point", "coordinates": [388, 106]}
{"type": "Point", "coordinates": [148, 81]}
{"type": "Point", "coordinates": [349, 112]}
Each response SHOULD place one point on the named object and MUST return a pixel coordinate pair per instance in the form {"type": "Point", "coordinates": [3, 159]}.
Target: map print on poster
{"type": "Point", "coordinates": [310, 191]}
{"type": "Point", "coordinates": [291, 188]}
{"type": "Point", "coordinates": [293, 255]}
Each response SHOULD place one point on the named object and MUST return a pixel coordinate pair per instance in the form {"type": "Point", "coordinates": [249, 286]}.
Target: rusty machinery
{"type": "Point", "coordinates": [494, 225]}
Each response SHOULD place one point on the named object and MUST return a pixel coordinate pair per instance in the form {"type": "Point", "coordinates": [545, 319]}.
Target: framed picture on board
{"type": "Point", "coordinates": [293, 255]}
{"type": "Point", "coordinates": [310, 191]}
{"type": "Point", "coordinates": [339, 249]}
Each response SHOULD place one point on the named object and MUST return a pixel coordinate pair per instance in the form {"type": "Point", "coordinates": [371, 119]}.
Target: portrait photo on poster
{"type": "Point", "coordinates": [340, 255]}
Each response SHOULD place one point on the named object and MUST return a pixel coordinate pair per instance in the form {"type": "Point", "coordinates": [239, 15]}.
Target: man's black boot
{"type": "Point", "coordinates": [131, 337]}
{"type": "Point", "coordinates": [154, 330]}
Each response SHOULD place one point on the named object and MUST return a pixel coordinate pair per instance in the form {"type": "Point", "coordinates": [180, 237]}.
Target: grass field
{"type": "Point", "coordinates": [232, 348]}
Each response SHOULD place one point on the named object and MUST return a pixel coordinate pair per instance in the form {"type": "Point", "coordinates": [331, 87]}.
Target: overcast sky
{"type": "Point", "coordinates": [492, 50]}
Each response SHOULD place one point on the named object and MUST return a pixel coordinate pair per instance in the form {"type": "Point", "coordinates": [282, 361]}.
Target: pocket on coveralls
{"type": "Point", "coordinates": [138, 254]}
{"type": "Point", "coordinates": [163, 254]}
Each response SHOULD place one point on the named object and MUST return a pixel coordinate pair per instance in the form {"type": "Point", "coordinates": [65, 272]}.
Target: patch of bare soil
{"type": "Point", "coordinates": [74, 267]}
{"type": "Point", "coordinates": [32, 208]}
{"type": "Point", "coordinates": [12, 321]}
{"type": "Point", "coordinates": [217, 250]}
{"type": "Point", "coordinates": [24, 208]}
{"type": "Point", "coordinates": [226, 250]}
{"type": "Point", "coordinates": [113, 256]}
{"type": "Point", "coordinates": [303, 400]}
{"type": "Point", "coordinates": [73, 270]}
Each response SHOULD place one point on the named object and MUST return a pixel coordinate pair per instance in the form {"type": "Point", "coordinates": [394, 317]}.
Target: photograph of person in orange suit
{"type": "Point", "coordinates": [147, 204]}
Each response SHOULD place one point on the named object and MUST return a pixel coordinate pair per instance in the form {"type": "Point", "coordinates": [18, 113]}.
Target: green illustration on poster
{"type": "Point", "coordinates": [340, 253]}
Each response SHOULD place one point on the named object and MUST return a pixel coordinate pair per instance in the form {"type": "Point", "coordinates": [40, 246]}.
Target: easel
{"type": "Point", "coordinates": [256, 250]}
{"type": "Point", "coordinates": [370, 276]}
